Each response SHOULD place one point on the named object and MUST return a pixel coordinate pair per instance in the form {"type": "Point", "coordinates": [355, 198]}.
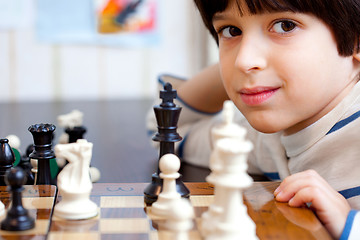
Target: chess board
{"type": "Point", "coordinates": [39, 201]}
{"type": "Point", "coordinates": [123, 215]}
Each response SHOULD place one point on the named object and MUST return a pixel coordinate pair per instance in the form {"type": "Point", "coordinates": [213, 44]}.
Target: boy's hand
{"type": "Point", "coordinates": [309, 187]}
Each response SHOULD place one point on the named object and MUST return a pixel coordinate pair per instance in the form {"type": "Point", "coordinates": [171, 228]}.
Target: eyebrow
{"type": "Point", "coordinates": [219, 16]}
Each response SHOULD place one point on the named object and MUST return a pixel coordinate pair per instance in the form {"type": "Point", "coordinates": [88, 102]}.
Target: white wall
{"type": "Point", "coordinates": [34, 71]}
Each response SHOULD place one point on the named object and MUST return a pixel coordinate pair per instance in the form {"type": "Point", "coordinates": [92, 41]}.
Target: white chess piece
{"type": "Point", "coordinates": [180, 220]}
{"type": "Point", "coordinates": [233, 221]}
{"type": "Point", "coordinates": [14, 141]}
{"type": "Point", "coordinates": [226, 129]}
{"type": "Point", "coordinates": [69, 120]}
{"type": "Point", "coordinates": [74, 181]}
{"type": "Point", "coordinates": [94, 174]}
{"type": "Point", "coordinates": [2, 208]}
{"type": "Point", "coordinates": [34, 169]}
{"type": "Point", "coordinates": [169, 165]}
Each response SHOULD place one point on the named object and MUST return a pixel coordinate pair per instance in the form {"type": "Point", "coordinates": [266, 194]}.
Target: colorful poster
{"type": "Point", "coordinates": [131, 16]}
{"type": "Point", "coordinates": [100, 22]}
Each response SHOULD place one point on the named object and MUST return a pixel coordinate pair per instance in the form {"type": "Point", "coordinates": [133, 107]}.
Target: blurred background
{"type": "Point", "coordinates": [61, 50]}
{"type": "Point", "coordinates": [101, 57]}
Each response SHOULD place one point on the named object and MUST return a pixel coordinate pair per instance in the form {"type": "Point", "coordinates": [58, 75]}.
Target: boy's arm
{"type": "Point", "coordinates": [352, 230]}
{"type": "Point", "coordinates": [309, 187]}
{"type": "Point", "coordinates": [204, 91]}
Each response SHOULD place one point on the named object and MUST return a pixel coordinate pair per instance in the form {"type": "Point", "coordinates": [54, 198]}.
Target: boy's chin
{"type": "Point", "coordinates": [266, 127]}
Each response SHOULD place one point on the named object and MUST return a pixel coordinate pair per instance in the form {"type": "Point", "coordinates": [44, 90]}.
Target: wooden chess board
{"type": "Point", "coordinates": [39, 201]}
{"type": "Point", "coordinates": [123, 215]}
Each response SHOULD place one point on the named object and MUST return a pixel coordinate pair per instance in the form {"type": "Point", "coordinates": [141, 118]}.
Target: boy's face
{"type": "Point", "coordinates": [282, 70]}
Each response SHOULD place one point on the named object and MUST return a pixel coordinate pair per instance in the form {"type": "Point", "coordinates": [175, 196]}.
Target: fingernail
{"type": "Point", "coordinates": [277, 190]}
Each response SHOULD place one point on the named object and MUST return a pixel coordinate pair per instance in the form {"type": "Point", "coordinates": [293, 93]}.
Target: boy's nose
{"type": "Point", "coordinates": [251, 56]}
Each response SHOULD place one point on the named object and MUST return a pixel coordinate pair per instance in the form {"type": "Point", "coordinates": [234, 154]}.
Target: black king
{"type": "Point", "coordinates": [167, 115]}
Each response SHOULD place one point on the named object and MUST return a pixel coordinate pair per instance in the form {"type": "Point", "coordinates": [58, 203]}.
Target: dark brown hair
{"type": "Point", "coordinates": [342, 16]}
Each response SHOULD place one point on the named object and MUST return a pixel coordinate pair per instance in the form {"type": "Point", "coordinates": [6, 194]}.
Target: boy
{"type": "Point", "coordinates": [292, 69]}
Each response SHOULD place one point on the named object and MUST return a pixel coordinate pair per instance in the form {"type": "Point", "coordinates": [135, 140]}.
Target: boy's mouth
{"type": "Point", "coordinates": [257, 95]}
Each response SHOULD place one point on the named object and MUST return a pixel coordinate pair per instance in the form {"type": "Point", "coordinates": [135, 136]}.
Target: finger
{"type": "Point", "coordinates": [294, 183]}
{"type": "Point", "coordinates": [330, 206]}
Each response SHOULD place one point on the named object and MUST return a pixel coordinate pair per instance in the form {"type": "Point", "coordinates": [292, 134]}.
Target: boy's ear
{"type": "Point", "coordinates": [357, 56]}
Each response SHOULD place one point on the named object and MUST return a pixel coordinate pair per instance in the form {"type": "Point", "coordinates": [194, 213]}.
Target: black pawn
{"type": "Point", "coordinates": [7, 159]}
{"type": "Point", "coordinates": [17, 217]}
{"type": "Point", "coordinates": [43, 136]}
{"type": "Point", "coordinates": [167, 115]}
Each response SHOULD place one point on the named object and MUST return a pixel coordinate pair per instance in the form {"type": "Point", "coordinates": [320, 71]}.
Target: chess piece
{"type": "Point", "coordinates": [94, 174]}
{"type": "Point", "coordinates": [26, 166]}
{"type": "Point", "coordinates": [7, 159]}
{"type": "Point", "coordinates": [169, 165]}
{"type": "Point", "coordinates": [167, 115]}
{"type": "Point", "coordinates": [17, 217]}
{"type": "Point", "coordinates": [34, 169]}
{"type": "Point", "coordinates": [75, 133]}
{"type": "Point", "coordinates": [180, 220]}
{"type": "Point", "coordinates": [232, 222]}
{"type": "Point", "coordinates": [2, 208]}
{"type": "Point", "coordinates": [43, 136]}
{"type": "Point", "coordinates": [71, 135]}
{"type": "Point", "coordinates": [226, 129]}
{"type": "Point", "coordinates": [71, 120]}
{"type": "Point", "coordinates": [72, 123]}
{"type": "Point", "coordinates": [14, 141]}
{"type": "Point", "coordinates": [74, 181]}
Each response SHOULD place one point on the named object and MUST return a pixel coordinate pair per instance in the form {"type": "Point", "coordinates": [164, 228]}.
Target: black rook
{"type": "Point", "coordinates": [43, 136]}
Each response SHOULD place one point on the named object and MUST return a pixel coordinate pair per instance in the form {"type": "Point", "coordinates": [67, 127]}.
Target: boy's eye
{"type": "Point", "coordinates": [284, 26]}
{"type": "Point", "coordinates": [230, 31]}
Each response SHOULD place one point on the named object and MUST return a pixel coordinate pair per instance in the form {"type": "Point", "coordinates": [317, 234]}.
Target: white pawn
{"type": "Point", "coordinates": [169, 165]}
{"type": "Point", "coordinates": [14, 141]}
{"type": "Point", "coordinates": [94, 174]}
{"type": "Point", "coordinates": [180, 220]}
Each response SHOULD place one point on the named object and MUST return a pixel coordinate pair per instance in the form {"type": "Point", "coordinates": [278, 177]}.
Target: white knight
{"type": "Point", "coordinates": [74, 181]}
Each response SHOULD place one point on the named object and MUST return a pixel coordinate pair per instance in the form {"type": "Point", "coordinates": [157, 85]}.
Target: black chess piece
{"type": "Point", "coordinates": [25, 165]}
{"type": "Point", "coordinates": [17, 217]}
{"type": "Point", "coordinates": [7, 159]}
{"type": "Point", "coordinates": [43, 152]}
{"type": "Point", "coordinates": [75, 133]}
{"type": "Point", "coordinates": [167, 115]}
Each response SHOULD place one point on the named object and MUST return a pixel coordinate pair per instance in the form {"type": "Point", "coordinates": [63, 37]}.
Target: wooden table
{"type": "Point", "coordinates": [122, 214]}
